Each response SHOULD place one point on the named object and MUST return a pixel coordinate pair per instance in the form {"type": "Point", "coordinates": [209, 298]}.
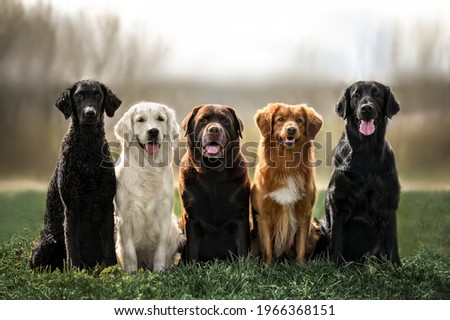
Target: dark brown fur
{"type": "Point", "coordinates": [214, 189]}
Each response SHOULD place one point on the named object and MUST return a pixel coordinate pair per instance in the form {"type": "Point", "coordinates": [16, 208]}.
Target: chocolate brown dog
{"type": "Point", "coordinates": [214, 186]}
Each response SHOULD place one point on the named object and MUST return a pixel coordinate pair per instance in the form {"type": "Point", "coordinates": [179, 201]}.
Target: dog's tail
{"type": "Point", "coordinates": [319, 240]}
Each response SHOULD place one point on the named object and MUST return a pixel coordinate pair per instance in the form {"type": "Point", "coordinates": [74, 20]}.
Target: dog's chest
{"type": "Point", "coordinates": [290, 193]}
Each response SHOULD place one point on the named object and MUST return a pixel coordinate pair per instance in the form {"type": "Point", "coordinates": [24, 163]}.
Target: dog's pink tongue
{"type": "Point", "coordinates": [152, 147]}
{"type": "Point", "coordinates": [367, 127]}
{"type": "Point", "coordinates": [212, 149]}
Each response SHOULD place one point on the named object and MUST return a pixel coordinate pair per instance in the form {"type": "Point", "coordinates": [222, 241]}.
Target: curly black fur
{"type": "Point", "coordinates": [79, 223]}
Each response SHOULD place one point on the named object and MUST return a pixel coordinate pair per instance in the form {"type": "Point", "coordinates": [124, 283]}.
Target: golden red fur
{"type": "Point", "coordinates": [284, 191]}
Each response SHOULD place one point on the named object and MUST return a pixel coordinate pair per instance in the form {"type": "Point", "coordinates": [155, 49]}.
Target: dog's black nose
{"type": "Point", "coordinates": [366, 108]}
{"type": "Point", "coordinates": [153, 133]}
{"type": "Point", "coordinates": [214, 129]}
{"type": "Point", "coordinates": [291, 130]}
{"type": "Point", "coordinates": [90, 112]}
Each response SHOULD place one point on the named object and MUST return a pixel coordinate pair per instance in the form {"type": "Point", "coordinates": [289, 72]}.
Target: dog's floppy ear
{"type": "Point", "coordinates": [313, 122]}
{"type": "Point", "coordinates": [124, 128]}
{"type": "Point", "coordinates": [237, 121]}
{"type": "Point", "coordinates": [64, 102]}
{"type": "Point", "coordinates": [263, 119]}
{"type": "Point", "coordinates": [392, 106]}
{"type": "Point", "coordinates": [189, 117]}
{"type": "Point", "coordinates": [344, 104]}
{"type": "Point", "coordinates": [174, 128]}
{"type": "Point", "coordinates": [111, 101]}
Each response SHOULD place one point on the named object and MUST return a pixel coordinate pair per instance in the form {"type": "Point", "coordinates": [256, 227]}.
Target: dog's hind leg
{"type": "Point", "coordinates": [48, 252]}
{"type": "Point", "coordinates": [318, 239]}
{"type": "Point", "coordinates": [175, 243]}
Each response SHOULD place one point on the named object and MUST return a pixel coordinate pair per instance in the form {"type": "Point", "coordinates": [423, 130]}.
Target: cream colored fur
{"type": "Point", "coordinates": [148, 235]}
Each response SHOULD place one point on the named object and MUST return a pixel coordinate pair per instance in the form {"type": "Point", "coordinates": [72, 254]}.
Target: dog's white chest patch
{"type": "Point", "coordinates": [288, 194]}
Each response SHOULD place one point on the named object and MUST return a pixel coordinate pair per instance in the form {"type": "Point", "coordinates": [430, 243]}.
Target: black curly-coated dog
{"type": "Point", "coordinates": [79, 223]}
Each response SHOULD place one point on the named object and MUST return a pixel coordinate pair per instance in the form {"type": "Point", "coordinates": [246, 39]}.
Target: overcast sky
{"type": "Point", "coordinates": [258, 38]}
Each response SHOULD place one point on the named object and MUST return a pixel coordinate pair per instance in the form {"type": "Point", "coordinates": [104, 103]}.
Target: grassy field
{"type": "Point", "coordinates": [423, 226]}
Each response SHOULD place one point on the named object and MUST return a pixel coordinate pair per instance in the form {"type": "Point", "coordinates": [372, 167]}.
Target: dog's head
{"type": "Point", "coordinates": [212, 131]}
{"type": "Point", "coordinates": [86, 100]}
{"type": "Point", "coordinates": [366, 105]}
{"type": "Point", "coordinates": [288, 125]}
{"type": "Point", "coordinates": [148, 126]}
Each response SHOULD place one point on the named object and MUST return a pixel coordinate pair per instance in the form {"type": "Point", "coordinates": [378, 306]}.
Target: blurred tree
{"type": "Point", "coordinates": [41, 54]}
{"type": "Point", "coordinates": [11, 17]}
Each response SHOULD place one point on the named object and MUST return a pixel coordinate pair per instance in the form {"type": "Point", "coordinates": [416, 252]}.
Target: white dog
{"type": "Point", "coordinates": [148, 235]}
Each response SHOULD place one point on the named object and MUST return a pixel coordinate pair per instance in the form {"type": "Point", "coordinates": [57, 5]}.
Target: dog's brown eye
{"type": "Point", "coordinates": [140, 120]}
{"type": "Point", "coordinates": [299, 120]}
{"type": "Point", "coordinates": [377, 94]}
{"type": "Point", "coordinates": [160, 118]}
{"type": "Point", "coordinates": [203, 120]}
{"type": "Point", "coordinates": [280, 119]}
{"type": "Point", "coordinates": [356, 95]}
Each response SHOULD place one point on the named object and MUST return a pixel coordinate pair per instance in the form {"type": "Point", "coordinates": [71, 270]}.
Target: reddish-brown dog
{"type": "Point", "coordinates": [284, 191]}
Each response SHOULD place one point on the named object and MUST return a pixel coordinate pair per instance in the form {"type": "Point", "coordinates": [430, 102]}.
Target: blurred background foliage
{"type": "Point", "coordinates": [43, 51]}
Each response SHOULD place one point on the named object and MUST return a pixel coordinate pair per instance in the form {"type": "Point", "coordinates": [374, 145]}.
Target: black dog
{"type": "Point", "coordinates": [364, 191]}
{"type": "Point", "coordinates": [79, 223]}
{"type": "Point", "coordinates": [214, 186]}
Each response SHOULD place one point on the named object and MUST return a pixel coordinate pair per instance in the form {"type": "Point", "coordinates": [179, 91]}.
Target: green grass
{"type": "Point", "coordinates": [20, 212]}
{"type": "Point", "coordinates": [423, 225]}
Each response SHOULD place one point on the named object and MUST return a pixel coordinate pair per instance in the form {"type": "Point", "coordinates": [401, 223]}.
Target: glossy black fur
{"type": "Point", "coordinates": [364, 190]}
{"type": "Point", "coordinates": [79, 223]}
{"type": "Point", "coordinates": [214, 192]}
